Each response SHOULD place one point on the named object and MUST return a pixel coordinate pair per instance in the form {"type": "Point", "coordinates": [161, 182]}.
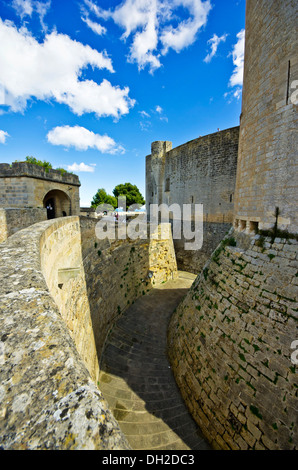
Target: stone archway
{"type": "Point", "coordinates": [57, 203]}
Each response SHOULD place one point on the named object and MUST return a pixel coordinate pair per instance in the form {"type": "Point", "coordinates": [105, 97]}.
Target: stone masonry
{"type": "Point", "coordinates": [267, 162]}
{"type": "Point", "coordinates": [202, 171]}
{"type": "Point", "coordinates": [25, 185]}
{"type": "Point", "coordinates": [60, 293]}
{"type": "Point", "coordinates": [230, 345]}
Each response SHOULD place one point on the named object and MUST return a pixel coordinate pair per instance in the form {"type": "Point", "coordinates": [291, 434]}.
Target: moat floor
{"type": "Point", "coordinates": [136, 378]}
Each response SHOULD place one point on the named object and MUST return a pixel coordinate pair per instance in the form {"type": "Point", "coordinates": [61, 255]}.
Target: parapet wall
{"type": "Point", "coordinates": [230, 345]}
{"type": "Point", "coordinates": [21, 169]}
{"type": "Point", "coordinates": [59, 295]}
{"type": "Point", "coordinates": [12, 220]}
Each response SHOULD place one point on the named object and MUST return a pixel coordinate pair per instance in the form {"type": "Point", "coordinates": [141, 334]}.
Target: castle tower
{"type": "Point", "coordinates": [155, 168]}
{"type": "Point", "coordinates": [266, 184]}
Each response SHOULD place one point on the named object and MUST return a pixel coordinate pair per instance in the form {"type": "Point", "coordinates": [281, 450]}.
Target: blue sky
{"type": "Point", "coordinates": [88, 85]}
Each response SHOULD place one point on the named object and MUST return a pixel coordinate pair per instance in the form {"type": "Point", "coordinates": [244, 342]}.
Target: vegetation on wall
{"type": "Point", "coordinates": [44, 164]}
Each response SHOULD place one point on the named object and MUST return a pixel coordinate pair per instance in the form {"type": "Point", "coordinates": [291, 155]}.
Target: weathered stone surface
{"type": "Point", "coordinates": [267, 161]}
{"type": "Point", "coordinates": [49, 350]}
{"type": "Point", "coordinates": [25, 185]}
{"type": "Point", "coordinates": [239, 352]}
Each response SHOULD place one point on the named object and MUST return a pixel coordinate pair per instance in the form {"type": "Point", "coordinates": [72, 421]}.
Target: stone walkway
{"type": "Point", "coordinates": [136, 378]}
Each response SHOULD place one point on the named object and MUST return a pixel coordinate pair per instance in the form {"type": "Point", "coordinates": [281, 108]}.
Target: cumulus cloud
{"type": "Point", "coordinates": [155, 26]}
{"type": "Point", "coordinates": [52, 71]}
{"type": "Point", "coordinates": [214, 43]}
{"type": "Point", "coordinates": [3, 136]}
{"type": "Point", "coordinates": [82, 139]}
{"type": "Point", "coordinates": [81, 167]}
{"type": "Point", "coordinates": [238, 60]}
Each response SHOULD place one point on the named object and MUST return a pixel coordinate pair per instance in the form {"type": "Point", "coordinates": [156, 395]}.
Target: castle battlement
{"type": "Point", "coordinates": [19, 169]}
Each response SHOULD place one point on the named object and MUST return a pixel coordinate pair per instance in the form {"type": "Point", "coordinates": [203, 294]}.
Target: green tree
{"type": "Point", "coordinates": [101, 197]}
{"type": "Point", "coordinates": [131, 192]}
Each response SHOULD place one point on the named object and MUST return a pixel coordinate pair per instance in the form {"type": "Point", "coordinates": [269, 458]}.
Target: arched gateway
{"type": "Point", "coordinates": [57, 203]}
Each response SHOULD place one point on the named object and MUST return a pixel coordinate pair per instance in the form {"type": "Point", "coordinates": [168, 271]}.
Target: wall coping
{"type": "Point", "coordinates": [19, 169]}
{"type": "Point", "coordinates": [47, 397]}
{"type": "Point", "coordinates": [201, 139]}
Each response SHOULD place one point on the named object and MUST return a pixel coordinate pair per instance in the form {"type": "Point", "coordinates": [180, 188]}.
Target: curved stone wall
{"type": "Point", "coordinates": [230, 345]}
{"type": "Point", "coordinates": [267, 160]}
{"type": "Point", "coordinates": [48, 345]}
{"type": "Point", "coordinates": [47, 398]}
{"type": "Point", "coordinates": [117, 273]}
{"type": "Point", "coordinates": [62, 266]}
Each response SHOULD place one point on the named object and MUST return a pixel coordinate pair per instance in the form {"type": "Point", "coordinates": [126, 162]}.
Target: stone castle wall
{"type": "Point", "coordinates": [59, 295]}
{"type": "Point", "coordinates": [230, 345]}
{"type": "Point", "coordinates": [230, 341]}
{"type": "Point", "coordinates": [202, 171]}
{"type": "Point", "coordinates": [267, 162]}
{"type": "Point", "coordinates": [25, 185]}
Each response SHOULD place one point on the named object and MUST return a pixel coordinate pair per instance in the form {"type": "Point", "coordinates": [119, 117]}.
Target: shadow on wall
{"type": "Point", "coordinates": [93, 281]}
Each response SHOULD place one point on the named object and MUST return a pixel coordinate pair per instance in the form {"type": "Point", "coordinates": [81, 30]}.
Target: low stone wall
{"type": "Point", "coordinates": [12, 220]}
{"type": "Point", "coordinates": [53, 322]}
{"type": "Point", "coordinates": [230, 345]}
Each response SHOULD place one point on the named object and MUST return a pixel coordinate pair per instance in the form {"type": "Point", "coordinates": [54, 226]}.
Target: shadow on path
{"type": "Point", "coordinates": [136, 378]}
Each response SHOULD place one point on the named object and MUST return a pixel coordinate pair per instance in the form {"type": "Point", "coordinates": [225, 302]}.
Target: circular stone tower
{"type": "Point", "coordinates": [266, 185]}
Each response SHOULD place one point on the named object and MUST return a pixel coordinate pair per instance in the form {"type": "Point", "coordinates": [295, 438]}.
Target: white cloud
{"type": "Point", "coordinates": [159, 111]}
{"type": "Point", "coordinates": [81, 167]}
{"type": "Point", "coordinates": [28, 7]}
{"type": "Point", "coordinates": [95, 27]}
{"type": "Point", "coordinates": [153, 23]}
{"type": "Point", "coordinates": [214, 43]}
{"type": "Point", "coordinates": [3, 136]}
{"type": "Point", "coordinates": [238, 60]}
{"type": "Point", "coordinates": [82, 139]}
{"type": "Point", "coordinates": [52, 71]}
{"type": "Point", "coordinates": [23, 7]}
{"type": "Point", "coordinates": [185, 33]}
{"type": "Point", "coordinates": [42, 9]}
{"type": "Point", "coordinates": [144, 114]}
